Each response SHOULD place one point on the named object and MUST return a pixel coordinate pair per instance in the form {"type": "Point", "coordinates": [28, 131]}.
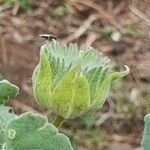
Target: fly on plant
{"type": "Point", "coordinates": [48, 37]}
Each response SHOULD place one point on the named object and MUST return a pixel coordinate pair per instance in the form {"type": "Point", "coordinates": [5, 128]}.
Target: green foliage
{"type": "Point", "coordinates": [6, 115]}
{"type": "Point", "coordinates": [7, 89]}
{"type": "Point", "coordinates": [28, 131]}
{"type": "Point", "coordinates": [61, 11]}
{"type": "Point", "coordinates": [25, 4]}
{"type": "Point", "coordinates": [108, 31]}
{"type": "Point", "coordinates": [68, 80]}
{"type": "Point", "coordinates": [131, 108]}
{"type": "Point", "coordinates": [72, 81]}
{"type": "Point", "coordinates": [95, 134]}
{"type": "Point", "coordinates": [146, 135]}
{"type": "Point", "coordinates": [88, 121]}
{"type": "Point", "coordinates": [130, 31]}
{"type": "Point", "coordinates": [32, 131]}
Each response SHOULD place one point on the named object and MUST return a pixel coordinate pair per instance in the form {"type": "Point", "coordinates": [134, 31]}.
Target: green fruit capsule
{"type": "Point", "coordinates": [71, 81]}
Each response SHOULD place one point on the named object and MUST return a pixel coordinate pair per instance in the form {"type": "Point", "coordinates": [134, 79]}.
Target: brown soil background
{"type": "Point", "coordinates": [84, 22]}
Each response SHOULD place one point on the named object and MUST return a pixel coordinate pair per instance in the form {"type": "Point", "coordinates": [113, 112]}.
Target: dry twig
{"type": "Point", "coordinates": [90, 39]}
{"type": "Point", "coordinates": [106, 115]}
{"type": "Point", "coordinates": [102, 13]}
{"type": "Point", "coordinates": [140, 15]}
{"type": "Point", "coordinates": [4, 56]}
{"type": "Point", "coordinates": [87, 23]}
{"type": "Point", "coordinates": [119, 7]}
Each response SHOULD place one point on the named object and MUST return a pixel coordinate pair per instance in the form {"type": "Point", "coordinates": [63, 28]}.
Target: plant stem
{"type": "Point", "coordinates": [58, 121]}
{"type": "Point", "coordinates": [51, 116]}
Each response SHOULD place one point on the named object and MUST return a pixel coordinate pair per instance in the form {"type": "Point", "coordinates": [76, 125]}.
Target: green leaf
{"type": "Point", "coordinates": [33, 132]}
{"type": "Point", "coordinates": [71, 96]}
{"type": "Point", "coordinates": [62, 58]}
{"type": "Point", "coordinates": [25, 4]}
{"type": "Point", "coordinates": [81, 100]}
{"type": "Point", "coordinates": [6, 115]}
{"type": "Point", "coordinates": [103, 88]}
{"type": "Point", "coordinates": [7, 89]}
{"type": "Point", "coordinates": [63, 94]}
{"type": "Point", "coordinates": [42, 78]}
{"type": "Point", "coordinates": [146, 135]}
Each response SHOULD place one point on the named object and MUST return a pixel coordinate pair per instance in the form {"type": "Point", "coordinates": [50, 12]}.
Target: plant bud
{"type": "Point", "coordinates": [71, 81]}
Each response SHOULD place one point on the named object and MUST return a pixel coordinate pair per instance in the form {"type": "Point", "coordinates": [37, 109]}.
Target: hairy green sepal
{"type": "Point", "coordinates": [72, 81]}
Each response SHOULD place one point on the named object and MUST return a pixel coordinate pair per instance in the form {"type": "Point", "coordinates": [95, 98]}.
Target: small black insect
{"type": "Point", "coordinates": [48, 37]}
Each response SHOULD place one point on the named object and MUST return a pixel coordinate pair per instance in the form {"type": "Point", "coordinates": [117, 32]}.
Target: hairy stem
{"type": "Point", "coordinates": [58, 121]}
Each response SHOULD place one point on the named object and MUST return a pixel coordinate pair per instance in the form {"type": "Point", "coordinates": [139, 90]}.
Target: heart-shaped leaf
{"type": "Point", "coordinates": [6, 115]}
{"type": "Point", "coordinates": [7, 89]}
{"type": "Point", "coordinates": [33, 132]}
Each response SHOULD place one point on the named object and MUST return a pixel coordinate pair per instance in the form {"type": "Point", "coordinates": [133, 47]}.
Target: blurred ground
{"type": "Point", "coordinates": [120, 29]}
